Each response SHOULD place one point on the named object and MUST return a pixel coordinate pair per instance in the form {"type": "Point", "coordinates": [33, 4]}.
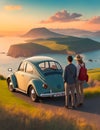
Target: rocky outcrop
{"type": "Point", "coordinates": [28, 49]}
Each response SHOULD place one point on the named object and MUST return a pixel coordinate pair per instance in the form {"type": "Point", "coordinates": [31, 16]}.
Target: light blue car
{"type": "Point", "coordinates": [38, 76]}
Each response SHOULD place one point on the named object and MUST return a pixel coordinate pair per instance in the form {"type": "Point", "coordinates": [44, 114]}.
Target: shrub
{"type": "Point", "coordinates": [2, 77]}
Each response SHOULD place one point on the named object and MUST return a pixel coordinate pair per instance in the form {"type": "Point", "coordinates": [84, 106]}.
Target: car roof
{"type": "Point", "coordinates": [38, 59]}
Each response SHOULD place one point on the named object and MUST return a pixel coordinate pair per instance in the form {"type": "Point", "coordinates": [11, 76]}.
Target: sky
{"type": "Point", "coordinates": [19, 16]}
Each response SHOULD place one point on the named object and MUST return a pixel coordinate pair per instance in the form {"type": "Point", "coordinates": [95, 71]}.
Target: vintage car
{"type": "Point", "coordinates": [38, 76]}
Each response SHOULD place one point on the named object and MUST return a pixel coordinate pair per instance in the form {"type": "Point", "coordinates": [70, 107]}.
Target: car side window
{"type": "Point", "coordinates": [29, 68]}
{"type": "Point", "coordinates": [44, 65]}
{"type": "Point", "coordinates": [22, 66]}
{"type": "Point", "coordinates": [53, 65]}
{"type": "Point", "coordinates": [58, 66]}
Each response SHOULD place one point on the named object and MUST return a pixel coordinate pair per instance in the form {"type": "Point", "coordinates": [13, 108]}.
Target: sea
{"type": "Point", "coordinates": [92, 59]}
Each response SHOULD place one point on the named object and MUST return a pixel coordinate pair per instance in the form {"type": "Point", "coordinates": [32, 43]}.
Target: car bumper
{"type": "Point", "coordinates": [58, 94]}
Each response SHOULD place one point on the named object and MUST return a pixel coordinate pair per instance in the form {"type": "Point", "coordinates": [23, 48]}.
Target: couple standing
{"type": "Point", "coordinates": [72, 83]}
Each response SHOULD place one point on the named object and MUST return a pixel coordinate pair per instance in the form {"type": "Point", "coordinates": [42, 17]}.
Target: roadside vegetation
{"type": "Point", "coordinates": [93, 83]}
{"type": "Point", "coordinates": [16, 114]}
{"type": "Point", "coordinates": [94, 77]}
{"type": "Point", "coordinates": [93, 88]}
{"type": "Point", "coordinates": [2, 77]}
{"type": "Point", "coordinates": [92, 91]}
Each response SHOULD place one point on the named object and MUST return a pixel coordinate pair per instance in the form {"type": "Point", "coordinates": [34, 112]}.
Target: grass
{"type": "Point", "coordinates": [92, 91]}
{"type": "Point", "coordinates": [94, 77]}
{"type": "Point", "coordinates": [16, 114]}
{"type": "Point", "coordinates": [52, 45]}
{"type": "Point", "coordinates": [94, 83]}
{"type": "Point", "coordinates": [94, 74]}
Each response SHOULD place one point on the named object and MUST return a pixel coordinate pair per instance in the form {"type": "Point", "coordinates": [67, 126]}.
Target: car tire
{"type": "Point", "coordinates": [10, 85]}
{"type": "Point", "coordinates": [33, 94]}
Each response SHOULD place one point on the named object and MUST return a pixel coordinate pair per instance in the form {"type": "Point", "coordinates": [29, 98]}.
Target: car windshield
{"type": "Point", "coordinates": [49, 66]}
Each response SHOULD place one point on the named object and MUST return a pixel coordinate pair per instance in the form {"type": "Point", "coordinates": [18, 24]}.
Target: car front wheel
{"type": "Point", "coordinates": [10, 86]}
{"type": "Point", "coordinates": [33, 95]}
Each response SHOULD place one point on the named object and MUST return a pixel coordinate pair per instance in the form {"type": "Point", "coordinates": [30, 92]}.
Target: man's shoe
{"type": "Point", "coordinates": [74, 107]}
{"type": "Point", "coordinates": [66, 107]}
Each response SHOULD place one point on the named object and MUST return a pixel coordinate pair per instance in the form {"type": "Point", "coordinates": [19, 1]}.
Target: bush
{"type": "Point", "coordinates": [2, 77]}
{"type": "Point", "coordinates": [94, 77]}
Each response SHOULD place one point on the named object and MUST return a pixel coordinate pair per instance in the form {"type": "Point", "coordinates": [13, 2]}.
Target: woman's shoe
{"type": "Point", "coordinates": [73, 107]}
{"type": "Point", "coordinates": [80, 104]}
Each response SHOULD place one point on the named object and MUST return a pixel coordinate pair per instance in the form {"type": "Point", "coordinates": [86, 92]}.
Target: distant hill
{"type": "Point", "coordinates": [96, 34]}
{"type": "Point", "coordinates": [68, 44]}
{"type": "Point", "coordinates": [41, 33]}
{"type": "Point", "coordinates": [73, 32]}
{"type": "Point", "coordinates": [79, 33]}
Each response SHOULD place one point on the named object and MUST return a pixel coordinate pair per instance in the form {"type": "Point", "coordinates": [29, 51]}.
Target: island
{"type": "Point", "coordinates": [60, 44]}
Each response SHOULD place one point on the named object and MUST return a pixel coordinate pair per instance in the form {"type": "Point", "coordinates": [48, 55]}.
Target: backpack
{"type": "Point", "coordinates": [83, 76]}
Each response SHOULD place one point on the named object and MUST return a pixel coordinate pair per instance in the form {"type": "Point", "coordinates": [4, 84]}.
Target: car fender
{"type": "Point", "coordinates": [37, 84]}
{"type": "Point", "coordinates": [13, 80]}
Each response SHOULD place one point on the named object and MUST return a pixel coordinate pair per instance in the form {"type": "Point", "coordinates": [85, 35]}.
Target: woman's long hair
{"type": "Point", "coordinates": [80, 61]}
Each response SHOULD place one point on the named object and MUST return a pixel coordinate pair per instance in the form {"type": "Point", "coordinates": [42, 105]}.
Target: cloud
{"type": "Point", "coordinates": [63, 16]}
{"type": "Point", "coordinates": [95, 20]}
{"type": "Point", "coordinates": [12, 7]}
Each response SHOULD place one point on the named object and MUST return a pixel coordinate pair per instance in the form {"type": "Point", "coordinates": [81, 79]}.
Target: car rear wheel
{"type": "Point", "coordinates": [33, 95]}
{"type": "Point", "coordinates": [10, 86]}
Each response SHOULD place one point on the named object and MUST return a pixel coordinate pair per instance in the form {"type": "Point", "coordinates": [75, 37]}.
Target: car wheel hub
{"type": "Point", "coordinates": [32, 91]}
{"type": "Point", "coordinates": [10, 83]}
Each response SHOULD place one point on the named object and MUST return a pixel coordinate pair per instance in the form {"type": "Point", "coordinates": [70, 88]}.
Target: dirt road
{"type": "Point", "coordinates": [90, 111]}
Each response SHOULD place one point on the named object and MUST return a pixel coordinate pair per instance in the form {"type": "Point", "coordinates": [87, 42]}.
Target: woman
{"type": "Point", "coordinates": [80, 80]}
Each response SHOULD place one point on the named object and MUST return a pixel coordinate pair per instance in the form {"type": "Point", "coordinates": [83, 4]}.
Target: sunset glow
{"type": "Point", "coordinates": [18, 17]}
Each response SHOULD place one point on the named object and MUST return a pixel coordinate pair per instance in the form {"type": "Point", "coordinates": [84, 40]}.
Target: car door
{"type": "Point", "coordinates": [29, 74]}
{"type": "Point", "coordinates": [20, 74]}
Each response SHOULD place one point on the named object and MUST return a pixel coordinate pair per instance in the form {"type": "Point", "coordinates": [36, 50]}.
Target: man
{"type": "Point", "coordinates": [70, 74]}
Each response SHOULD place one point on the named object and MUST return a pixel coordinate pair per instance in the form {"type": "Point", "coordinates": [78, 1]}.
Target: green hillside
{"type": "Point", "coordinates": [69, 43]}
{"type": "Point", "coordinates": [63, 45]}
{"type": "Point", "coordinates": [52, 44]}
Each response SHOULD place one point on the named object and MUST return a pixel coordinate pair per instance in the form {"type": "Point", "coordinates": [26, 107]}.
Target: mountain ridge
{"type": "Point", "coordinates": [41, 33]}
{"type": "Point", "coordinates": [72, 32]}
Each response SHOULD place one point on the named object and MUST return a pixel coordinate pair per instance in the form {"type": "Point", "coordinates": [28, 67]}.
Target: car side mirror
{"type": "Point", "coordinates": [10, 69]}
